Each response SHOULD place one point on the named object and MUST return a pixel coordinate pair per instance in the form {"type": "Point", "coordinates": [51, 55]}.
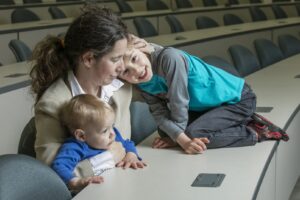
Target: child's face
{"type": "Point", "coordinates": [138, 68]}
{"type": "Point", "coordinates": [101, 137]}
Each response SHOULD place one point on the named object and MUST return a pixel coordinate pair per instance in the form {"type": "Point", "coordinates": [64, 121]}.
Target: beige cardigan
{"type": "Point", "coordinates": [50, 134]}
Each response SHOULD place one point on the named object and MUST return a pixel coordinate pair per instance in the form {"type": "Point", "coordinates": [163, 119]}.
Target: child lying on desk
{"type": "Point", "coordinates": [90, 122]}
{"type": "Point", "coordinates": [196, 105]}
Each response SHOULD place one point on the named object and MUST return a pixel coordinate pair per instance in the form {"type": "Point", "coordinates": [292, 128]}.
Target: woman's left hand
{"type": "Point", "coordinates": [131, 160]}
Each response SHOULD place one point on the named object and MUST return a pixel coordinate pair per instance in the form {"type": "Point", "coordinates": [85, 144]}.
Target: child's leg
{"type": "Point", "coordinates": [226, 126]}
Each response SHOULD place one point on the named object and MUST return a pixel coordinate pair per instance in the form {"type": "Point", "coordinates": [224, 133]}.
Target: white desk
{"type": "Point", "coordinates": [251, 172]}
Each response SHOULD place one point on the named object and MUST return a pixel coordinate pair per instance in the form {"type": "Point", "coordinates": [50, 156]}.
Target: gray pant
{"type": "Point", "coordinates": [225, 126]}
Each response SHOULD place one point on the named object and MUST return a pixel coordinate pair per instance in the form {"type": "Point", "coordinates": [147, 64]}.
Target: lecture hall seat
{"type": "Point", "coordinates": [278, 12]}
{"type": "Point", "coordinates": [244, 60]}
{"type": "Point", "coordinates": [257, 14]}
{"type": "Point", "coordinates": [289, 45]}
{"type": "Point", "coordinates": [231, 19]}
{"type": "Point", "coordinates": [184, 4]}
{"type": "Point", "coordinates": [21, 51]}
{"type": "Point", "coordinates": [144, 27]}
{"type": "Point", "coordinates": [24, 177]}
{"type": "Point", "coordinates": [56, 13]}
{"type": "Point", "coordinates": [174, 24]}
{"type": "Point", "coordinates": [267, 52]}
{"type": "Point", "coordinates": [156, 5]}
{"type": "Point", "coordinates": [207, 3]}
{"type": "Point", "coordinates": [123, 6]}
{"type": "Point", "coordinates": [7, 2]}
{"type": "Point", "coordinates": [23, 15]}
{"type": "Point", "coordinates": [205, 22]}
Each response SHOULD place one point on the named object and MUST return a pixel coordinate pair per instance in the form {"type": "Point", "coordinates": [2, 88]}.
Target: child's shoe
{"type": "Point", "coordinates": [266, 130]}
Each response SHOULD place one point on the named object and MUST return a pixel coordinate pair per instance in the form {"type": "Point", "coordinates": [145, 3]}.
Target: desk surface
{"type": "Point", "coordinates": [171, 172]}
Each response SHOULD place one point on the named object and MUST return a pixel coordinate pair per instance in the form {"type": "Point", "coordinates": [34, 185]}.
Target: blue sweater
{"type": "Point", "coordinates": [74, 151]}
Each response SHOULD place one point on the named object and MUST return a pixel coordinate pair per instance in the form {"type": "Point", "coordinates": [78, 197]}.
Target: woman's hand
{"type": "Point", "coordinates": [161, 143]}
{"type": "Point", "coordinates": [131, 161]}
{"type": "Point", "coordinates": [141, 44]}
{"type": "Point", "coordinates": [192, 146]}
{"type": "Point", "coordinates": [117, 150]}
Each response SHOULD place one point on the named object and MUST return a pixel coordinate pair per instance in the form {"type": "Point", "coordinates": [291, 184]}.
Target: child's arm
{"type": "Point", "coordinates": [77, 184]}
{"type": "Point", "coordinates": [131, 158]}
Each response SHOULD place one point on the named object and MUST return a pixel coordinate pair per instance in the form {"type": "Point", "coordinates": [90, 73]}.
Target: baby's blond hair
{"type": "Point", "coordinates": [84, 111]}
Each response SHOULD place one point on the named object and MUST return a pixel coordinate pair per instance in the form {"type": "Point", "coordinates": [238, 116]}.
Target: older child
{"type": "Point", "coordinates": [197, 105]}
{"type": "Point", "coordinates": [90, 123]}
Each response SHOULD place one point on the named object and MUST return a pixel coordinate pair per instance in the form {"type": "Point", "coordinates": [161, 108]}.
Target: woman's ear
{"type": "Point", "coordinates": [79, 134]}
{"type": "Point", "coordinates": [88, 59]}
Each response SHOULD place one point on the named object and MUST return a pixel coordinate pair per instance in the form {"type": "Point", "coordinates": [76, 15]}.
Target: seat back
{"type": "Point", "coordinates": [21, 51]}
{"type": "Point", "coordinates": [205, 22]}
{"type": "Point", "coordinates": [298, 9]}
{"type": "Point", "coordinates": [142, 122]}
{"type": "Point", "coordinates": [144, 27]}
{"type": "Point", "coordinates": [267, 52]}
{"type": "Point", "coordinates": [255, 1]}
{"type": "Point", "coordinates": [183, 4]}
{"type": "Point", "coordinates": [278, 12]}
{"type": "Point", "coordinates": [27, 139]}
{"type": "Point", "coordinates": [221, 63]}
{"type": "Point", "coordinates": [56, 13]}
{"type": "Point", "coordinates": [174, 24]}
{"type": "Point", "coordinates": [32, 1]}
{"type": "Point", "coordinates": [23, 177]}
{"type": "Point", "coordinates": [156, 5]}
{"type": "Point", "coordinates": [244, 60]}
{"type": "Point", "coordinates": [210, 3]}
{"type": "Point", "coordinates": [231, 19]}
{"type": "Point", "coordinates": [123, 6]}
{"type": "Point", "coordinates": [23, 15]}
{"type": "Point", "coordinates": [257, 14]}
{"type": "Point", "coordinates": [7, 2]}
{"type": "Point", "coordinates": [233, 2]}
{"type": "Point", "coordinates": [289, 45]}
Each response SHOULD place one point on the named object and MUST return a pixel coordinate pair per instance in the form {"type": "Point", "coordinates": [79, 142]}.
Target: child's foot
{"type": "Point", "coordinates": [266, 130]}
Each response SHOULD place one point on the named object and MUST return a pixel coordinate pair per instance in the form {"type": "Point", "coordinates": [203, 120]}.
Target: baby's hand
{"type": "Point", "coordinates": [77, 184]}
{"type": "Point", "coordinates": [165, 142]}
{"type": "Point", "coordinates": [131, 160]}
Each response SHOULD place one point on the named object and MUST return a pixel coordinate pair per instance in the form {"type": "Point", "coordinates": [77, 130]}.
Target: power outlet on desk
{"type": "Point", "coordinates": [208, 180]}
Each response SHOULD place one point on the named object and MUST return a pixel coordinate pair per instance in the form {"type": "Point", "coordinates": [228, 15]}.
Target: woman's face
{"type": "Point", "coordinates": [110, 66]}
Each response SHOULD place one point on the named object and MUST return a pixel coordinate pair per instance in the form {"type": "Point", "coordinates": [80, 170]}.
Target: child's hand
{"type": "Point", "coordinates": [164, 142]}
{"type": "Point", "coordinates": [131, 160]}
{"type": "Point", "coordinates": [192, 146]}
{"type": "Point", "coordinates": [77, 184]}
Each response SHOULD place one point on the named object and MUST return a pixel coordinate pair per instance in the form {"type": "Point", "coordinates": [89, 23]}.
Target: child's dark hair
{"type": "Point", "coordinates": [96, 29]}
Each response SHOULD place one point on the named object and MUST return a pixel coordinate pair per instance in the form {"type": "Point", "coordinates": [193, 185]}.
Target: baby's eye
{"type": "Point", "coordinates": [105, 130]}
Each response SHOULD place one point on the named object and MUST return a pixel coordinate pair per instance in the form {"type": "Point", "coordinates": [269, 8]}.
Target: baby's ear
{"type": "Point", "coordinates": [79, 134]}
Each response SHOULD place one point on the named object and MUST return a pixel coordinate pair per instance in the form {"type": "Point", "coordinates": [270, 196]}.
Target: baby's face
{"type": "Point", "coordinates": [101, 137]}
{"type": "Point", "coordinates": [137, 67]}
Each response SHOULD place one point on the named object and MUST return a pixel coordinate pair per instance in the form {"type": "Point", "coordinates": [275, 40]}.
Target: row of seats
{"type": "Point", "coordinates": [11, 2]}
{"type": "Point", "coordinates": [160, 5]}
{"type": "Point", "coordinates": [245, 61]}
{"type": "Point", "coordinates": [146, 29]}
{"type": "Point", "coordinates": [24, 15]}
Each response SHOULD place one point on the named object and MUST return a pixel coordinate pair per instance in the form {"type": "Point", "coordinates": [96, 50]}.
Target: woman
{"type": "Point", "coordinates": [87, 61]}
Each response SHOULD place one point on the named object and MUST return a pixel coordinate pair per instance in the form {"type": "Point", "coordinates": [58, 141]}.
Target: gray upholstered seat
{"type": "Point", "coordinates": [205, 22]}
{"type": "Point", "coordinates": [24, 177]}
{"type": "Point", "coordinates": [221, 63]}
{"type": "Point", "coordinates": [231, 19]}
{"type": "Point", "coordinates": [257, 14]}
{"type": "Point", "coordinates": [289, 45]}
{"type": "Point", "coordinates": [244, 60]}
{"type": "Point", "coordinates": [142, 122]}
{"type": "Point", "coordinates": [23, 15]}
{"type": "Point", "coordinates": [156, 5]}
{"type": "Point", "coordinates": [174, 24]}
{"type": "Point", "coordinates": [278, 12]}
{"type": "Point", "coordinates": [123, 6]}
{"type": "Point", "coordinates": [27, 139]}
{"type": "Point", "coordinates": [267, 52]}
{"type": "Point", "coordinates": [233, 2]}
{"type": "Point", "coordinates": [32, 1]}
{"type": "Point", "coordinates": [56, 13]}
{"type": "Point", "coordinates": [144, 27]}
{"type": "Point", "coordinates": [184, 4]}
{"type": "Point", "coordinates": [255, 1]}
{"type": "Point", "coordinates": [21, 51]}
{"type": "Point", "coordinates": [210, 3]}
{"type": "Point", "coordinates": [7, 2]}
